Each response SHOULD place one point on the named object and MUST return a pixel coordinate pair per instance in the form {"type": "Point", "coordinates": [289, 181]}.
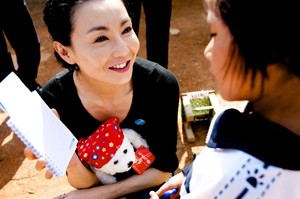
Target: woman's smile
{"type": "Point", "coordinates": [121, 67]}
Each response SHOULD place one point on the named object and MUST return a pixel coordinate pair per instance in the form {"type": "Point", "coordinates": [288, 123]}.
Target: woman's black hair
{"type": "Point", "coordinates": [58, 16]}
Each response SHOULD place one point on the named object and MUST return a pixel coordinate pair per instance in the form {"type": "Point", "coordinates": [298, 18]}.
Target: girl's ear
{"type": "Point", "coordinates": [63, 51]}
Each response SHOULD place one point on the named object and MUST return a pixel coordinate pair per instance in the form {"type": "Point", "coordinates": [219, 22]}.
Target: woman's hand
{"type": "Point", "coordinates": [40, 163]}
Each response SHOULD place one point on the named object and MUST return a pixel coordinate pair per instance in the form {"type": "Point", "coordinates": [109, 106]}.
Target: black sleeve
{"type": "Point", "coordinates": [162, 101]}
{"type": "Point", "coordinates": [167, 120]}
{"type": "Point", "coordinates": [52, 91]}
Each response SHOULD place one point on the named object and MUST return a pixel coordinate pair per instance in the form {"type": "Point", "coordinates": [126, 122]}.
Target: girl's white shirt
{"type": "Point", "coordinates": [225, 174]}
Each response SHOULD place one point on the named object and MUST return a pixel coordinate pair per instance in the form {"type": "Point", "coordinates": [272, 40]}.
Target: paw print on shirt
{"type": "Point", "coordinates": [254, 178]}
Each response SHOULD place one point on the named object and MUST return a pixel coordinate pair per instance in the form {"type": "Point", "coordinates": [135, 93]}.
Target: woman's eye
{"type": "Point", "coordinates": [101, 39]}
{"type": "Point", "coordinates": [128, 29]}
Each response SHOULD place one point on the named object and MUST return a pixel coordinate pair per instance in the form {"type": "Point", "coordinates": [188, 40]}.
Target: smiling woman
{"type": "Point", "coordinates": [95, 41]}
{"type": "Point", "coordinates": [15, 171]}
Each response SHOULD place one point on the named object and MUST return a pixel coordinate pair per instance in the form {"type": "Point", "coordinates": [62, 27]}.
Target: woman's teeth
{"type": "Point", "coordinates": [119, 66]}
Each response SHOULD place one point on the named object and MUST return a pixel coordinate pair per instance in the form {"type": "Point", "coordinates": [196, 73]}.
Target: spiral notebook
{"type": "Point", "coordinates": [36, 125]}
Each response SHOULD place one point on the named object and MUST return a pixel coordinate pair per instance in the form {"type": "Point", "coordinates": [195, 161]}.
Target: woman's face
{"type": "Point", "coordinates": [103, 43]}
{"type": "Point", "coordinates": [230, 79]}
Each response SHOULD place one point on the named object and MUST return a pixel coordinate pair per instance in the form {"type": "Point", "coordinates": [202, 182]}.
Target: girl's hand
{"type": "Point", "coordinates": [173, 183]}
{"type": "Point", "coordinates": [153, 195]}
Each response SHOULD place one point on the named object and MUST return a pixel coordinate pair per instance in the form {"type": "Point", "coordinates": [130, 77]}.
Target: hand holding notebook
{"type": "Point", "coordinates": [36, 125]}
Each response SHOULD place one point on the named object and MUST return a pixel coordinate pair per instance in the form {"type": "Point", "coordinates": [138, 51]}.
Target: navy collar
{"type": "Point", "coordinates": [253, 134]}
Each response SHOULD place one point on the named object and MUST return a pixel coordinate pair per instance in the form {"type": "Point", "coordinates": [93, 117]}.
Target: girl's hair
{"type": "Point", "coordinates": [264, 31]}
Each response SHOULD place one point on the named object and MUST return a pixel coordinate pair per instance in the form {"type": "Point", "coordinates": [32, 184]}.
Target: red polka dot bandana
{"type": "Point", "coordinates": [101, 146]}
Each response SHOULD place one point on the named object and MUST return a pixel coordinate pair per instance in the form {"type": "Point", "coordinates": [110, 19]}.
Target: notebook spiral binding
{"type": "Point", "coordinates": [49, 163]}
{"type": "Point", "coordinates": [54, 169]}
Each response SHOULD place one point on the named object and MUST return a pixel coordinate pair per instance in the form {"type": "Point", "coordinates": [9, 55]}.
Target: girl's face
{"type": "Point", "coordinates": [230, 79]}
{"type": "Point", "coordinates": [104, 44]}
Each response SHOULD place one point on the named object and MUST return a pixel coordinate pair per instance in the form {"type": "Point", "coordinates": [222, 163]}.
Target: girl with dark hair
{"type": "Point", "coordinates": [254, 56]}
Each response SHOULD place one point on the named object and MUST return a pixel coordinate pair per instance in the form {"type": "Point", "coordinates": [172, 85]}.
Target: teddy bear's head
{"type": "Point", "coordinates": [122, 160]}
{"type": "Point", "coordinates": [107, 149]}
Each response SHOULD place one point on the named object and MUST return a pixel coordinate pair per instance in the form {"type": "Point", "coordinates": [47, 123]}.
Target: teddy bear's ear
{"type": "Point", "coordinates": [136, 139]}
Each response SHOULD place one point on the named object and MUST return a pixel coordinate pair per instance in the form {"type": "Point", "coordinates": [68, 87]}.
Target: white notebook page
{"type": "Point", "coordinates": [36, 125]}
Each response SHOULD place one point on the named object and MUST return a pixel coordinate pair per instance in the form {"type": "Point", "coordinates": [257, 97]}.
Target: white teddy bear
{"type": "Point", "coordinates": [110, 150]}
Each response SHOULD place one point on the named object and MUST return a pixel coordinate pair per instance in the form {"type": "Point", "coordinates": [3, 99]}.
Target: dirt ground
{"type": "Point", "coordinates": [19, 179]}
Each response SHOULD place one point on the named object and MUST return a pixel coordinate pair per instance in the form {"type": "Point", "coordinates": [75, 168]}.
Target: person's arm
{"type": "Point", "coordinates": [150, 178]}
{"type": "Point", "coordinates": [79, 176]}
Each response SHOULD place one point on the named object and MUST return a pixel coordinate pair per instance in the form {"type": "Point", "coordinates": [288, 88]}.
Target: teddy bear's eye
{"type": "Point", "coordinates": [125, 151]}
{"type": "Point", "coordinates": [116, 162]}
